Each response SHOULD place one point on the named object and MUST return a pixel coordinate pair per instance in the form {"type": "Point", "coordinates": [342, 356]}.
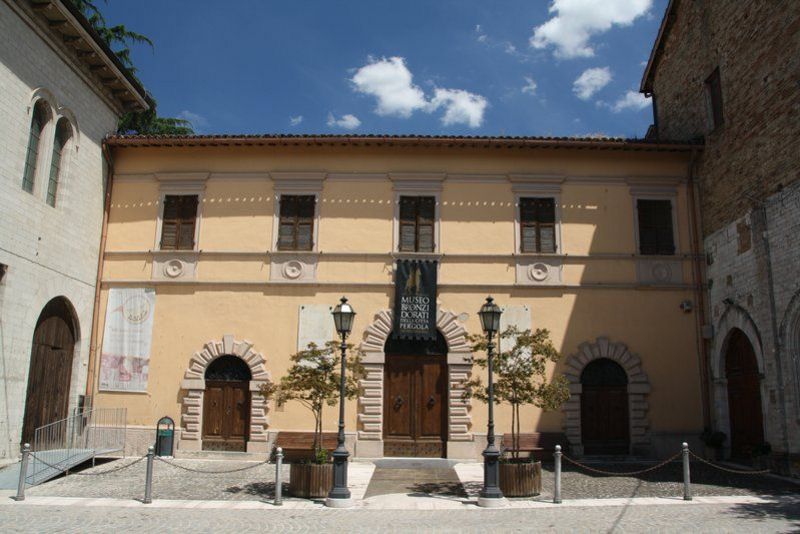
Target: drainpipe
{"type": "Point", "coordinates": [776, 342]}
{"type": "Point", "coordinates": [698, 285]}
{"type": "Point", "coordinates": [90, 374]}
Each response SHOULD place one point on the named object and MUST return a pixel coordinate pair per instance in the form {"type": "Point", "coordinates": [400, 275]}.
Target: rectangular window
{"type": "Point", "coordinates": [714, 99]}
{"type": "Point", "coordinates": [537, 223]}
{"type": "Point", "coordinates": [178, 222]}
{"type": "Point", "coordinates": [417, 220]}
{"type": "Point", "coordinates": [296, 227]}
{"type": "Point", "coordinates": [655, 227]}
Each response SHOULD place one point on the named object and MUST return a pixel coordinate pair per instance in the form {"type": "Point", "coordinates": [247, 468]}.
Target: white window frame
{"type": "Point", "coordinates": [417, 185]}
{"type": "Point", "coordinates": [535, 186]}
{"type": "Point", "coordinates": [296, 183]}
{"type": "Point", "coordinates": [655, 193]}
{"type": "Point", "coordinates": [181, 184]}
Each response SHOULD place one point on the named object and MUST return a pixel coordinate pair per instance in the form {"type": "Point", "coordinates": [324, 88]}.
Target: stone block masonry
{"type": "Point", "coordinates": [49, 251]}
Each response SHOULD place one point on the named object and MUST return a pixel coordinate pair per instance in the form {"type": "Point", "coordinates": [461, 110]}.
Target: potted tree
{"type": "Point", "coordinates": [313, 380]}
{"type": "Point", "coordinates": [520, 370]}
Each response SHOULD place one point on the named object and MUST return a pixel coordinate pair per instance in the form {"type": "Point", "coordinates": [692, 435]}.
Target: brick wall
{"type": "Point", "coordinates": [50, 251]}
{"type": "Point", "coordinates": [755, 44]}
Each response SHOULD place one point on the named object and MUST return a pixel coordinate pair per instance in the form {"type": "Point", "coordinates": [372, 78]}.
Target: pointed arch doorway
{"type": "Point", "coordinates": [50, 374]}
{"type": "Point", "coordinates": [744, 395]}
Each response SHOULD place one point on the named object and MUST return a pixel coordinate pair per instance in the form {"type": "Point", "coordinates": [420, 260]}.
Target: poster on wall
{"type": "Point", "coordinates": [415, 299]}
{"type": "Point", "coordinates": [128, 333]}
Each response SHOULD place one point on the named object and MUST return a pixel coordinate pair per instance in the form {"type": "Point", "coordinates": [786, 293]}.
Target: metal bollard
{"type": "Point", "coordinates": [557, 472]}
{"type": "Point", "coordinates": [687, 489]}
{"type": "Point", "coordinates": [23, 472]}
{"type": "Point", "coordinates": [278, 481]}
{"type": "Point", "coordinates": [148, 480]}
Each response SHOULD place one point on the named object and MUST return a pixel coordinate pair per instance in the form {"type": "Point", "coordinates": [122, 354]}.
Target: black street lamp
{"type": "Point", "coordinates": [490, 495]}
{"type": "Point", "coordinates": [339, 496]}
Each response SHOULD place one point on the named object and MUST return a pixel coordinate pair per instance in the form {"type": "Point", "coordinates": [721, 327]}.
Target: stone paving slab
{"type": "Point", "coordinates": [170, 482]}
{"type": "Point", "coordinates": [739, 514]}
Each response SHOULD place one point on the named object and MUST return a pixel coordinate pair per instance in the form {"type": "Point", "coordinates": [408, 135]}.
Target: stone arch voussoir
{"type": "Point", "coordinates": [638, 391]}
{"type": "Point", "coordinates": [194, 386]}
{"type": "Point", "coordinates": [459, 369]}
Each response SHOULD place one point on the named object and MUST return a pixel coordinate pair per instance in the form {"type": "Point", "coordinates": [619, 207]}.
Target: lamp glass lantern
{"type": "Point", "coordinates": [490, 316]}
{"type": "Point", "coordinates": [343, 316]}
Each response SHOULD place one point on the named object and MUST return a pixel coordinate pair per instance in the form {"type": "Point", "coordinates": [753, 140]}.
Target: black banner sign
{"type": "Point", "coordinates": [415, 299]}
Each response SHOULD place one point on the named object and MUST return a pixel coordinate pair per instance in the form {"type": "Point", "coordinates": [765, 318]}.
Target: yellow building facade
{"type": "Point", "coordinates": [591, 239]}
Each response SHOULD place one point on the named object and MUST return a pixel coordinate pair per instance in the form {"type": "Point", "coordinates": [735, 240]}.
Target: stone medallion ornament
{"type": "Point", "coordinates": [292, 269]}
{"type": "Point", "coordinates": [539, 272]}
{"type": "Point", "coordinates": [173, 268]}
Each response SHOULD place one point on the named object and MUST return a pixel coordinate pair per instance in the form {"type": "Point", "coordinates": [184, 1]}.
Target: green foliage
{"type": "Point", "coordinates": [313, 380]}
{"type": "Point", "coordinates": [520, 375]}
{"type": "Point", "coordinates": [119, 39]}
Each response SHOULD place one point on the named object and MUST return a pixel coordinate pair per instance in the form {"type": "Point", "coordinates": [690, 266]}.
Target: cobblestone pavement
{"type": "Point", "coordinates": [258, 483]}
{"type": "Point", "coordinates": [769, 517]}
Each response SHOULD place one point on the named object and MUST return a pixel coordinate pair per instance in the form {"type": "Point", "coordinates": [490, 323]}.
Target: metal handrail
{"type": "Point", "coordinates": [75, 439]}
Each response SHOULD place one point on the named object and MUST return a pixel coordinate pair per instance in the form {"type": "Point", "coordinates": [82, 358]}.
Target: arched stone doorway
{"type": "Point", "coordinates": [459, 441]}
{"type": "Point", "coordinates": [637, 392]}
{"type": "Point", "coordinates": [415, 399]}
{"type": "Point", "coordinates": [226, 405]}
{"type": "Point", "coordinates": [744, 395]}
{"type": "Point", "coordinates": [50, 375]}
{"type": "Point", "coordinates": [604, 408]}
{"type": "Point", "coordinates": [194, 386]}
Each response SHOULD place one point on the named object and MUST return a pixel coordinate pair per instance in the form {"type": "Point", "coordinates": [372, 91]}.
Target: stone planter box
{"type": "Point", "coordinates": [310, 480]}
{"type": "Point", "coordinates": [522, 479]}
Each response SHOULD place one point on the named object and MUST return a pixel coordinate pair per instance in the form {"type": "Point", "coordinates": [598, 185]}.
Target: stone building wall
{"type": "Point", "coordinates": [747, 178]}
{"type": "Point", "coordinates": [49, 251]}
{"type": "Point", "coordinates": [754, 44]}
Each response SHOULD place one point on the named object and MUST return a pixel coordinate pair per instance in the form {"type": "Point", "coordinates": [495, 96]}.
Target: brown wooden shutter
{"type": "Point", "coordinates": [425, 224]}
{"type": "Point", "coordinates": [296, 225]}
{"type": "Point", "coordinates": [178, 222]}
{"type": "Point", "coordinates": [655, 227]}
{"type": "Point", "coordinates": [408, 224]}
{"type": "Point", "coordinates": [537, 221]}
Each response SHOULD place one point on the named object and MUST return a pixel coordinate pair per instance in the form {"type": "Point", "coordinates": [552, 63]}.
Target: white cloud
{"type": "Point", "coordinates": [591, 81]}
{"type": "Point", "coordinates": [390, 81]}
{"type": "Point", "coordinates": [576, 21]}
{"type": "Point", "coordinates": [199, 122]}
{"type": "Point", "coordinates": [348, 122]}
{"type": "Point", "coordinates": [631, 100]}
{"type": "Point", "coordinates": [294, 121]}
{"type": "Point", "coordinates": [530, 86]}
{"type": "Point", "coordinates": [460, 107]}
{"type": "Point", "coordinates": [482, 37]}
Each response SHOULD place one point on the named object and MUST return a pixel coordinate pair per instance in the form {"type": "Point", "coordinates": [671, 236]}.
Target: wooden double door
{"type": "Point", "coordinates": [415, 406]}
{"type": "Point", "coordinates": [604, 408]}
{"type": "Point", "coordinates": [226, 415]}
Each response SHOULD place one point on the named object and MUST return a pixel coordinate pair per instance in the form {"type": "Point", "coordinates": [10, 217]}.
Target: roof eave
{"type": "Point", "coordinates": [646, 85]}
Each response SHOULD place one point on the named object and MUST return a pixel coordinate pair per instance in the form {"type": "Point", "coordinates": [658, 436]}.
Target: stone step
{"type": "Point", "coordinates": [414, 463]}
{"type": "Point", "coordinates": [221, 455]}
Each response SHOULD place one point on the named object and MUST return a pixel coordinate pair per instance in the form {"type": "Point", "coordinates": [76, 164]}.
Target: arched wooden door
{"type": "Point", "coordinates": [604, 408]}
{"type": "Point", "coordinates": [226, 405]}
{"type": "Point", "coordinates": [744, 396]}
{"type": "Point", "coordinates": [50, 372]}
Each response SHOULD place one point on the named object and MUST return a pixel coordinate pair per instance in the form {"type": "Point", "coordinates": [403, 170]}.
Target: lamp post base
{"type": "Point", "coordinates": [494, 502]}
{"type": "Point", "coordinates": [339, 503]}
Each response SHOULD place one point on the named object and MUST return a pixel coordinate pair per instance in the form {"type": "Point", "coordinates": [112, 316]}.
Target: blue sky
{"type": "Point", "coordinates": [447, 67]}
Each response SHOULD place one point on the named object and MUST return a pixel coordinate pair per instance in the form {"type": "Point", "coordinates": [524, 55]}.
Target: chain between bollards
{"type": "Point", "coordinates": [148, 481]}
{"type": "Point", "coordinates": [278, 478]}
{"type": "Point", "coordinates": [687, 484]}
{"type": "Point", "coordinates": [23, 472]}
{"type": "Point", "coordinates": [557, 471]}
